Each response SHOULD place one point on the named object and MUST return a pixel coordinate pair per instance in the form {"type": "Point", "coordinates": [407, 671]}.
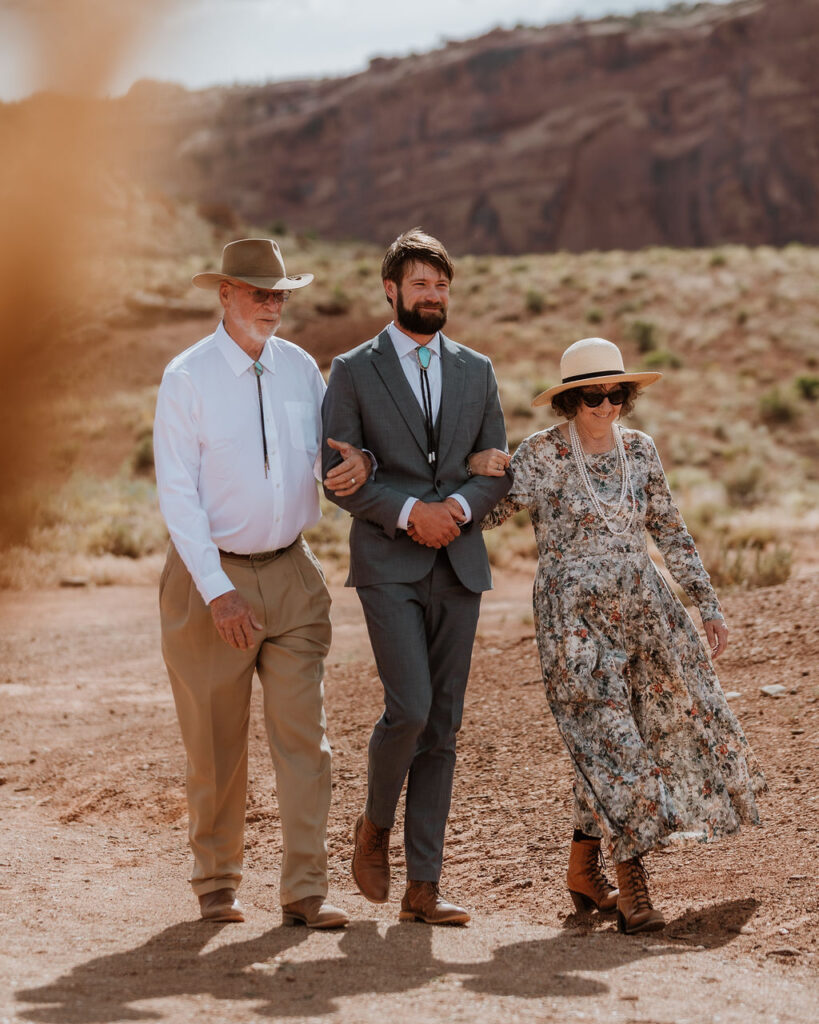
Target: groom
{"type": "Point", "coordinates": [422, 404]}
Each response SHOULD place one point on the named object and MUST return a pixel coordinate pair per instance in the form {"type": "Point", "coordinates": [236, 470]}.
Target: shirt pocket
{"type": "Point", "coordinates": [303, 424]}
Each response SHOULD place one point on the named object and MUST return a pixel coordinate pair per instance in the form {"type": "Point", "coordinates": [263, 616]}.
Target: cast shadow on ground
{"type": "Point", "coordinates": [257, 971]}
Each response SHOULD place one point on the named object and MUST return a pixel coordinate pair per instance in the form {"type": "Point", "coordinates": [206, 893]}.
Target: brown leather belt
{"type": "Point", "coordinates": [257, 556]}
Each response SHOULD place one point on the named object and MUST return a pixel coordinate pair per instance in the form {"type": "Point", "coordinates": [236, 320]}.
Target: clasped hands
{"type": "Point", "coordinates": [435, 523]}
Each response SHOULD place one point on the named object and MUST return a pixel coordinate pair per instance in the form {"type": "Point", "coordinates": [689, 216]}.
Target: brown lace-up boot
{"type": "Point", "coordinates": [423, 902]}
{"type": "Point", "coordinates": [588, 886]}
{"type": "Point", "coordinates": [635, 912]}
{"type": "Point", "coordinates": [371, 860]}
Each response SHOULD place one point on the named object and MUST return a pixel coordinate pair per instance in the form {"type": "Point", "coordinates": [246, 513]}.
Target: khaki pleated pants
{"type": "Point", "coordinates": [211, 683]}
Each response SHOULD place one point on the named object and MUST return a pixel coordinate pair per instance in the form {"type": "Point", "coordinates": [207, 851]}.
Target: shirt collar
{"type": "Point", "coordinates": [237, 359]}
{"type": "Point", "coordinates": [405, 346]}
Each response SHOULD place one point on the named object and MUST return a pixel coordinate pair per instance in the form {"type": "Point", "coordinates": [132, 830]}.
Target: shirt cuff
{"type": "Point", "coordinates": [374, 462]}
{"type": "Point", "coordinates": [464, 505]}
{"type": "Point", "coordinates": [214, 586]}
{"type": "Point", "coordinates": [403, 518]}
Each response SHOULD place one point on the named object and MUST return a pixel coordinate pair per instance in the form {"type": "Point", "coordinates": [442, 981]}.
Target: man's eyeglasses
{"type": "Point", "coordinates": [616, 396]}
{"type": "Point", "coordinates": [262, 295]}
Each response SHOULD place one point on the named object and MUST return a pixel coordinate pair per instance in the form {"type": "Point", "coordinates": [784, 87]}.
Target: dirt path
{"type": "Point", "coordinates": [98, 925]}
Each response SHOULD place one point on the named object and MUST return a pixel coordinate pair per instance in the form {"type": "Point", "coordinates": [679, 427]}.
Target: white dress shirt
{"type": "Point", "coordinates": [405, 349]}
{"type": "Point", "coordinates": [209, 457]}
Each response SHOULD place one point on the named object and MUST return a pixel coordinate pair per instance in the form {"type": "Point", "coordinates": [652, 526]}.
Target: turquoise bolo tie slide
{"type": "Point", "coordinates": [424, 356]}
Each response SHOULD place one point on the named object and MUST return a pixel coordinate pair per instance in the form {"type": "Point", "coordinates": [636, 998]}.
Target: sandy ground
{"type": "Point", "coordinates": [97, 923]}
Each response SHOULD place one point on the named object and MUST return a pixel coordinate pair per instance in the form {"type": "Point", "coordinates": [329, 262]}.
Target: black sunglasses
{"type": "Point", "coordinates": [616, 396]}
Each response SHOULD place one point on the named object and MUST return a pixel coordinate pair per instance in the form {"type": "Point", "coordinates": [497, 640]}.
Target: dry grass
{"type": "Point", "coordinates": [735, 416]}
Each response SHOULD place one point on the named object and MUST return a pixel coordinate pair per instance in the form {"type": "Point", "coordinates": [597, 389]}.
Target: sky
{"type": "Point", "coordinates": [198, 43]}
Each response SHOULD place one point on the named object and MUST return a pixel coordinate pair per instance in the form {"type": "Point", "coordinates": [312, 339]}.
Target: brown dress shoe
{"type": "Point", "coordinates": [588, 886]}
{"type": "Point", "coordinates": [371, 860]}
{"type": "Point", "coordinates": [314, 912]}
{"type": "Point", "coordinates": [635, 912]}
{"type": "Point", "coordinates": [422, 902]}
{"type": "Point", "coordinates": [220, 905]}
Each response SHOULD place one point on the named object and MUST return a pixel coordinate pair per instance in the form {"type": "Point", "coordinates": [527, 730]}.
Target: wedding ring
{"type": "Point", "coordinates": [352, 480]}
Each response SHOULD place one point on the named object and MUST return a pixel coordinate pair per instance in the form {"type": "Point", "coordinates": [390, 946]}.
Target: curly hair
{"type": "Point", "coordinates": [566, 403]}
{"type": "Point", "coordinates": [413, 246]}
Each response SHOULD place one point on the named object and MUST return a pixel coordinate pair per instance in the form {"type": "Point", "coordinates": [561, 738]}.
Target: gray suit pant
{"type": "Point", "coordinates": [422, 635]}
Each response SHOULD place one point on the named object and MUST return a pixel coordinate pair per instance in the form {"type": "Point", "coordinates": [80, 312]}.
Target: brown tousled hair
{"type": "Point", "coordinates": [566, 403]}
{"type": "Point", "coordinates": [414, 246]}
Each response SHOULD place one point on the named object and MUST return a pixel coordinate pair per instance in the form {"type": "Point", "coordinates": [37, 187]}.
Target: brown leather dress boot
{"type": "Point", "coordinates": [315, 912]}
{"type": "Point", "coordinates": [588, 886]}
{"type": "Point", "coordinates": [422, 902]}
{"type": "Point", "coordinates": [635, 912]}
{"type": "Point", "coordinates": [371, 860]}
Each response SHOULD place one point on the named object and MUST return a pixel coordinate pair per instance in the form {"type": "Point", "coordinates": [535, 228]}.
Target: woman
{"type": "Point", "coordinates": [658, 755]}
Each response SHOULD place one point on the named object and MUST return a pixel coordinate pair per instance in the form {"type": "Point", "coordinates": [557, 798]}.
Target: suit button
{"type": "Point", "coordinates": [438, 483]}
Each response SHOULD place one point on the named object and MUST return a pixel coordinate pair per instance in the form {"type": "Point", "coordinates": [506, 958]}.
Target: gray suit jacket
{"type": "Point", "coordinates": [370, 404]}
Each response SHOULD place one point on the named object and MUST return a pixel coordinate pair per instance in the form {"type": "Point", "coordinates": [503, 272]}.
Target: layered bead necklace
{"type": "Point", "coordinates": [625, 503]}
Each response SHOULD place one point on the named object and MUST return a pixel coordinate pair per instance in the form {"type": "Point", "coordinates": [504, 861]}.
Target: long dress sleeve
{"type": "Point", "coordinates": [666, 526]}
{"type": "Point", "coordinates": [522, 492]}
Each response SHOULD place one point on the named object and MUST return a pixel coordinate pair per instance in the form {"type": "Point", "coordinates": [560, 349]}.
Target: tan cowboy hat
{"type": "Point", "coordinates": [256, 261]}
{"type": "Point", "coordinates": [592, 361]}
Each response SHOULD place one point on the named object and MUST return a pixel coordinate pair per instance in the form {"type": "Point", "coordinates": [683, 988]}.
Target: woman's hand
{"type": "Point", "coordinates": [489, 462]}
{"type": "Point", "coordinates": [716, 633]}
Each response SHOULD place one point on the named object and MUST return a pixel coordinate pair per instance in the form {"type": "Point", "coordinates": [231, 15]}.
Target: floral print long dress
{"type": "Point", "coordinates": [658, 754]}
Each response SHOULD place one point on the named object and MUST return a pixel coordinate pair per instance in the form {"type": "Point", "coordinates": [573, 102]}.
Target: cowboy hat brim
{"type": "Point", "coordinates": [211, 281]}
{"type": "Point", "coordinates": [610, 378]}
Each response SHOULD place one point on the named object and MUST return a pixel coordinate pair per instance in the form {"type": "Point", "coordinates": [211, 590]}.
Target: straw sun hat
{"type": "Point", "coordinates": [255, 261]}
{"type": "Point", "coordinates": [593, 361]}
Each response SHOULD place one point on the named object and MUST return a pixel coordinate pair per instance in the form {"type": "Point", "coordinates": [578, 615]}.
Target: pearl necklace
{"type": "Point", "coordinates": [626, 499]}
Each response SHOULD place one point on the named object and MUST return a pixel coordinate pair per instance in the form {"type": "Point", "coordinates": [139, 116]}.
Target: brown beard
{"type": "Point", "coordinates": [416, 322]}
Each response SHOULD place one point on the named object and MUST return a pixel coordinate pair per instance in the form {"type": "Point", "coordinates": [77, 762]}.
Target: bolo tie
{"type": "Point", "coordinates": [257, 366]}
{"type": "Point", "coordinates": [424, 357]}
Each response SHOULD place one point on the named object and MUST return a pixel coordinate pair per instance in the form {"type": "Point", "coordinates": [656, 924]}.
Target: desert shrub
{"type": "Point", "coordinates": [747, 565]}
{"type": "Point", "coordinates": [744, 483]}
{"type": "Point", "coordinates": [142, 460]}
{"type": "Point", "coordinates": [662, 359]}
{"type": "Point", "coordinates": [808, 387]}
{"type": "Point", "coordinates": [776, 408]}
{"type": "Point", "coordinates": [644, 333]}
{"type": "Point", "coordinates": [718, 259]}
{"type": "Point", "coordinates": [328, 538]}
{"type": "Point", "coordinates": [512, 542]}
{"type": "Point", "coordinates": [277, 228]}
{"type": "Point", "coordinates": [594, 316]}
{"type": "Point", "coordinates": [337, 304]}
{"type": "Point", "coordinates": [535, 301]}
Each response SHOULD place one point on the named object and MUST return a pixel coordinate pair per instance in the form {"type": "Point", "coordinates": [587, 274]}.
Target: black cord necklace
{"type": "Point", "coordinates": [424, 358]}
{"type": "Point", "coordinates": [257, 366]}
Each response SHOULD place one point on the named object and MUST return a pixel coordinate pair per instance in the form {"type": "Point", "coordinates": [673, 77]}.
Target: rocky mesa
{"type": "Point", "coordinates": [694, 126]}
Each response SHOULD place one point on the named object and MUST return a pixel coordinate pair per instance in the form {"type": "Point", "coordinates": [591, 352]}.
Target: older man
{"type": "Point", "coordinates": [423, 404]}
{"type": "Point", "coordinates": [236, 440]}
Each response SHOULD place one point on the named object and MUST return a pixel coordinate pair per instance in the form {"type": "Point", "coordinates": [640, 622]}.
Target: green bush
{"type": "Point", "coordinates": [808, 387]}
{"type": "Point", "coordinates": [535, 301]}
{"type": "Point", "coordinates": [662, 359]}
{"type": "Point", "coordinates": [645, 334]}
{"type": "Point", "coordinates": [776, 408]}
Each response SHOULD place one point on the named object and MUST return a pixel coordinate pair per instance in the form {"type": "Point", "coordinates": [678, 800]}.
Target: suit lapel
{"type": "Point", "coordinates": [453, 373]}
{"type": "Point", "coordinates": [388, 366]}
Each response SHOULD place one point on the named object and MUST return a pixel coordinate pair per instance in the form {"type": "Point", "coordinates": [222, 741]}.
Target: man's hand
{"type": "Point", "coordinates": [433, 524]}
{"type": "Point", "coordinates": [716, 632]}
{"type": "Point", "coordinates": [234, 619]}
{"type": "Point", "coordinates": [455, 510]}
{"type": "Point", "coordinates": [346, 478]}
